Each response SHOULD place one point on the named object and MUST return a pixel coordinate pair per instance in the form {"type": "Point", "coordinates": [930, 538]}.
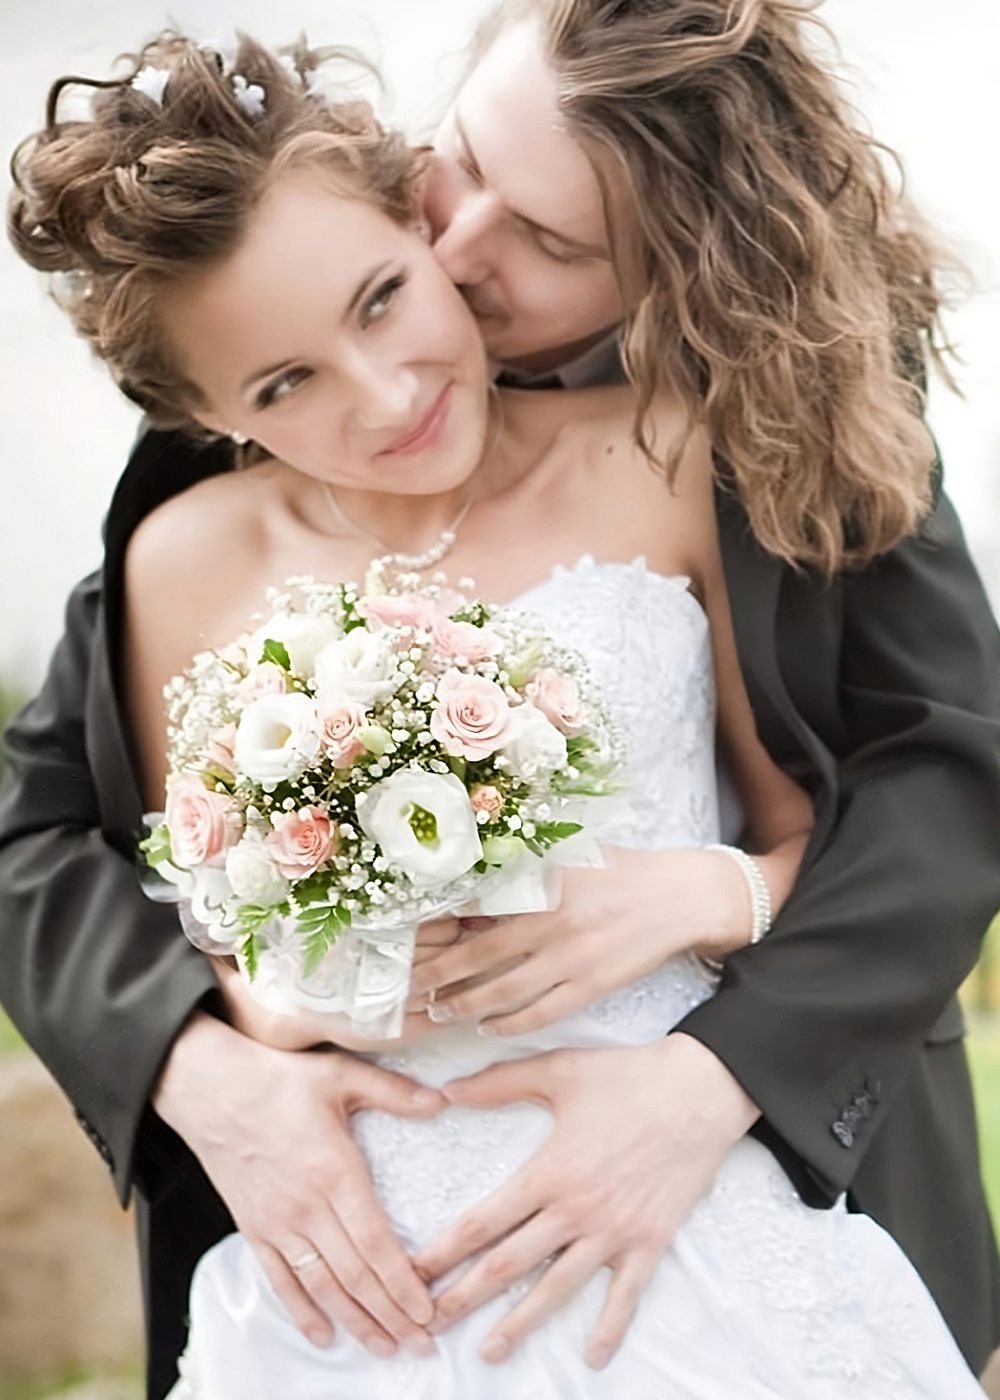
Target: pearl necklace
{"type": "Point", "coordinates": [410, 563]}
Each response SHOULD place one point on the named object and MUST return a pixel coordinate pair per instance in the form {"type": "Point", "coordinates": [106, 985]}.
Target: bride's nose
{"type": "Point", "coordinates": [385, 395]}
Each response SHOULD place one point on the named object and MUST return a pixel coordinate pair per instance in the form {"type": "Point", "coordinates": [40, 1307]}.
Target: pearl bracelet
{"type": "Point", "coordinates": [760, 898]}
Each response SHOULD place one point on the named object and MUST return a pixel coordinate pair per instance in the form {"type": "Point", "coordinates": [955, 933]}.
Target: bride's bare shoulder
{"type": "Point", "coordinates": [191, 562]}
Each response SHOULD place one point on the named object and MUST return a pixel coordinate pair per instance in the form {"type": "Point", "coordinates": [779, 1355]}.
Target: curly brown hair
{"type": "Point", "coordinates": [780, 282]}
{"type": "Point", "coordinates": [155, 186]}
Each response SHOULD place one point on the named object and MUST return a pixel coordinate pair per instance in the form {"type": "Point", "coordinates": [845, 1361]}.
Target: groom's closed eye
{"type": "Point", "coordinates": [550, 241]}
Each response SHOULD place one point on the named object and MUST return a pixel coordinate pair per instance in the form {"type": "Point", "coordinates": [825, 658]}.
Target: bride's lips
{"type": "Point", "coordinates": [427, 431]}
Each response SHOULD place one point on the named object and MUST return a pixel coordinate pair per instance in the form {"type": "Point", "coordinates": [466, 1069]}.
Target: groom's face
{"type": "Point", "coordinates": [517, 211]}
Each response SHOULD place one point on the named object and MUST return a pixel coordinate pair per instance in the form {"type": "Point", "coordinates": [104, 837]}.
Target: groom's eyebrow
{"type": "Point", "coordinates": [574, 244]}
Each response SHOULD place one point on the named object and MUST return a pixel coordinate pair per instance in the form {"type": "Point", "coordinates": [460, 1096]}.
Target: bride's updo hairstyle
{"type": "Point", "coordinates": [779, 281]}
{"type": "Point", "coordinates": [160, 181]}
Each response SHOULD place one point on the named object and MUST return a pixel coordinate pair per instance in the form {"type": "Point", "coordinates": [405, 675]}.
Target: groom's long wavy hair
{"type": "Point", "coordinates": [779, 281]}
{"type": "Point", "coordinates": [161, 177]}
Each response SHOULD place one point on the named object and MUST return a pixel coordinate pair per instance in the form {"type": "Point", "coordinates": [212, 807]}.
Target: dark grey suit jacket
{"type": "Point", "coordinates": [880, 691]}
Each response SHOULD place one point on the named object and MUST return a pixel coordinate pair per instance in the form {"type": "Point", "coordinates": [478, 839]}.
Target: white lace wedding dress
{"type": "Point", "coordinates": [760, 1297]}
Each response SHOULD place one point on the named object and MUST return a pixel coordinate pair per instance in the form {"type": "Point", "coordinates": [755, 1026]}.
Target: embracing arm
{"type": "Point", "coordinates": [821, 1022]}
{"type": "Point", "coordinates": [94, 975]}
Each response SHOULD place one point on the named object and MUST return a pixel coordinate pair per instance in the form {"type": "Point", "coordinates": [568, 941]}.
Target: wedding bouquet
{"type": "Point", "coordinates": [366, 759]}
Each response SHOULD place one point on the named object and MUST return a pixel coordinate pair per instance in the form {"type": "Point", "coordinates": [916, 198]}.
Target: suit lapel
{"type": "Point", "coordinates": [162, 465]}
{"type": "Point", "coordinates": [110, 760]}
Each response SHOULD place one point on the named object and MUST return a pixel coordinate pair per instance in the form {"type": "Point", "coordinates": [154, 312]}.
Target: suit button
{"type": "Point", "coordinates": [843, 1133]}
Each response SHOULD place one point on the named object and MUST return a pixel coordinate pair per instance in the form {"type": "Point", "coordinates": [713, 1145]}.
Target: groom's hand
{"type": "Point", "coordinates": [271, 1130]}
{"type": "Point", "coordinates": [638, 1138]}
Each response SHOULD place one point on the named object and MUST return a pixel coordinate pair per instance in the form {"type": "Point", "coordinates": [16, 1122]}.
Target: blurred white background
{"type": "Point", "coordinates": [927, 78]}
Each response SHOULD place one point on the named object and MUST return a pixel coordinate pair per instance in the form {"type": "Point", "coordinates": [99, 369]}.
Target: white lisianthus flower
{"type": "Point", "coordinates": [358, 667]}
{"type": "Point", "coordinates": [301, 634]}
{"type": "Point", "coordinates": [209, 892]}
{"type": "Point", "coordinates": [252, 873]}
{"type": "Point", "coordinates": [536, 748]}
{"type": "Point", "coordinates": [424, 823]}
{"type": "Point", "coordinates": [277, 738]}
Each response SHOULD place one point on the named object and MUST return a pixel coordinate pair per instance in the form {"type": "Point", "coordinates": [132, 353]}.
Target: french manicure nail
{"type": "Point", "coordinates": [484, 1028]}
{"type": "Point", "coordinates": [440, 1014]}
{"type": "Point", "coordinates": [598, 1358]}
{"type": "Point", "coordinates": [320, 1336]}
{"type": "Point", "coordinates": [422, 1345]}
{"type": "Point", "coordinates": [496, 1349]}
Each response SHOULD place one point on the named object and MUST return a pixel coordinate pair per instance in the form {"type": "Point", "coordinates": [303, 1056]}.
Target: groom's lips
{"type": "Point", "coordinates": [428, 430]}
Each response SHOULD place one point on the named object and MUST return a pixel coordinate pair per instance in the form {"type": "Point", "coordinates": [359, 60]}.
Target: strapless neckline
{"type": "Point", "coordinates": [586, 564]}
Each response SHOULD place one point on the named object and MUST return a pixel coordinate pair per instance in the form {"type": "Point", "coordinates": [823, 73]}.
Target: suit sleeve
{"type": "Point", "coordinates": [823, 1020]}
{"type": "Point", "coordinates": [98, 979]}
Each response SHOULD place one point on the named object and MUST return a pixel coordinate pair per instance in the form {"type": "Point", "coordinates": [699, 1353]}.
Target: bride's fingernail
{"type": "Point", "coordinates": [496, 1349]}
{"type": "Point", "coordinates": [440, 1014]}
{"type": "Point", "coordinates": [598, 1358]}
{"type": "Point", "coordinates": [484, 1028]}
{"type": "Point", "coordinates": [320, 1336]}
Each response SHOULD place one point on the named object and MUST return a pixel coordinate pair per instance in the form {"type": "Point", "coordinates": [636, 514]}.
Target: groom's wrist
{"type": "Point", "coordinates": [726, 1102]}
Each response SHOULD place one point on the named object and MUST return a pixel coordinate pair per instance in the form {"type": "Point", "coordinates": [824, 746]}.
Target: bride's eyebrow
{"type": "Point", "coordinates": [571, 244]}
{"type": "Point", "coordinates": [372, 275]}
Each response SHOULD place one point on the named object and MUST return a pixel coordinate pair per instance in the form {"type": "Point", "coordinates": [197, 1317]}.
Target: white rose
{"type": "Point", "coordinates": [536, 748]}
{"type": "Point", "coordinates": [252, 872]}
{"type": "Point", "coordinates": [277, 738]}
{"type": "Point", "coordinates": [424, 824]}
{"type": "Point", "coordinates": [302, 635]}
{"type": "Point", "coordinates": [358, 667]}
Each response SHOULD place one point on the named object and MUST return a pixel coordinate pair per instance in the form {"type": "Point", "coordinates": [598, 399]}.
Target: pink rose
{"type": "Point", "coordinates": [465, 639]}
{"type": "Point", "coordinates": [219, 753]}
{"type": "Point", "coordinates": [472, 718]}
{"type": "Point", "coordinates": [558, 698]}
{"type": "Point", "coordinates": [202, 824]}
{"type": "Point", "coordinates": [338, 727]}
{"type": "Point", "coordinates": [486, 798]}
{"type": "Point", "coordinates": [301, 841]}
{"type": "Point", "coordinates": [265, 679]}
{"type": "Point", "coordinates": [402, 610]}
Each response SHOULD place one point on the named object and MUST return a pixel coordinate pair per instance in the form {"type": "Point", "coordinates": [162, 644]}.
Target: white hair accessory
{"type": "Point", "coordinates": [151, 82]}
{"type": "Point", "coordinates": [249, 96]}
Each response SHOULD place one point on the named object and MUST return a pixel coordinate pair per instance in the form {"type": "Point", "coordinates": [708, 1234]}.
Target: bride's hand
{"type": "Point", "coordinates": [304, 1030]}
{"type": "Point", "coordinates": [638, 1138]}
{"type": "Point", "coordinates": [612, 927]}
{"type": "Point", "coordinates": [272, 1132]}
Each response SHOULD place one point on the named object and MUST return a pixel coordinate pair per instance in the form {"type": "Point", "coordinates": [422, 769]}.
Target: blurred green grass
{"type": "Point", "coordinates": [984, 1058]}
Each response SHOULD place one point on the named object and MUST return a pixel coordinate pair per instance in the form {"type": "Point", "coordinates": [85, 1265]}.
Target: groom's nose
{"type": "Point", "coordinates": [465, 243]}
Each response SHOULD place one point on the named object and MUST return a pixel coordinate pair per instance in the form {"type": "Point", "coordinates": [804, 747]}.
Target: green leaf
{"type": "Point", "coordinates": [551, 832]}
{"type": "Point", "coordinates": [156, 846]}
{"type": "Point", "coordinates": [276, 652]}
{"type": "Point", "coordinates": [321, 925]}
{"type": "Point", "coordinates": [253, 917]}
{"type": "Point", "coordinates": [250, 951]}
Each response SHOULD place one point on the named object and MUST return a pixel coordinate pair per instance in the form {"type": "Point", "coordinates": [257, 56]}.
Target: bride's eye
{"type": "Point", "coordinates": [381, 299]}
{"type": "Point", "coordinates": [281, 388]}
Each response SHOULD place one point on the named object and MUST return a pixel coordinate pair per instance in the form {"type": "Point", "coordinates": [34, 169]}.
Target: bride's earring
{"type": "Point", "coordinates": [240, 439]}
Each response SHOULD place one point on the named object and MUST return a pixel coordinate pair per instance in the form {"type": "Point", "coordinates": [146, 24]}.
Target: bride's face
{"type": "Point", "coordinates": [364, 369]}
